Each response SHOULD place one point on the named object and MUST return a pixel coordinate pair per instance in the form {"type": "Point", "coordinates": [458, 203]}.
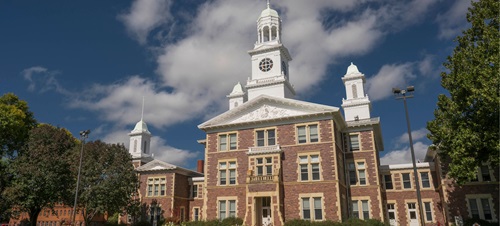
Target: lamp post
{"type": "Point", "coordinates": [83, 135]}
{"type": "Point", "coordinates": [403, 94]}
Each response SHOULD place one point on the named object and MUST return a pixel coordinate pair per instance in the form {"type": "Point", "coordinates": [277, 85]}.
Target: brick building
{"type": "Point", "coordinates": [271, 158]}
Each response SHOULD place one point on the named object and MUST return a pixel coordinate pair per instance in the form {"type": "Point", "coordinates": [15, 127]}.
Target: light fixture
{"type": "Point", "coordinates": [83, 135]}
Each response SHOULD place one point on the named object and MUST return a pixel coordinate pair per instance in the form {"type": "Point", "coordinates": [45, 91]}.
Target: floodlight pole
{"type": "Point", "coordinates": [83, 135]}
{"type": "Point", "coordinates": [402, 94]}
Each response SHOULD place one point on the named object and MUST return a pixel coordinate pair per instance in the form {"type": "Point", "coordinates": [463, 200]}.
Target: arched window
{"type": "Point", "coordinates": [354, 91]}
{"type": "Point", "coordinates": [266, 34]}
{"type": "Point", "coordinates": [274, 33]}
{"type": "Point", "coordinates": [135, 145]}
{"type": "Point", "coordinates": [145, 146]}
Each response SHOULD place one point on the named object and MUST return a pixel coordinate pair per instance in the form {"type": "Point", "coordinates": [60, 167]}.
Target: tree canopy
{"type": "Point", "coordinates": [41, 175]}
{"type": "Point", "coordinates": [107, 179]}
{"type": "Point", "coordinates": [466, 125]}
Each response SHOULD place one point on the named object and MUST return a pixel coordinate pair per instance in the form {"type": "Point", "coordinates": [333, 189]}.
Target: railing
{"type": "Point", "coordinates": [264, 149]}
{"type": "Point", "coordinates": [267, 80]}
{"type": "Point", "coordinates": [263, 178]}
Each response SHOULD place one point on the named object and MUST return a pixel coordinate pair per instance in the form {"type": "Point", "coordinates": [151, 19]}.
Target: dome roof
{"type": "Point", "coordinates": [238, 89]}
{"type": "Point", "coordinates": [141, 127]}
{"type": "Point", "coordinates": [269, 12]}
{"type": "Point", "coordinates": [352, 69]}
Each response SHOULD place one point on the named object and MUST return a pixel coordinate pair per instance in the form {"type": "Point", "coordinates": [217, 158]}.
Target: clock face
{"type": "Point", "coordinates": [266, 64]}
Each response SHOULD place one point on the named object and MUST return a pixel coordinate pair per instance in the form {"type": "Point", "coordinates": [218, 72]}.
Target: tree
{"type": "Point", "coordinates": [15, 122]}
{"type": "Point", "coordinates": [108, 179]}
{"type": "Point", "coordinates": [466, 125]}
{"type": "Point", "coordinates": [41, 175]}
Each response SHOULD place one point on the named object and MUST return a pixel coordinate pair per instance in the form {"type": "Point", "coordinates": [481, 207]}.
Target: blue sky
{"type": "Point", "coordinates": [87, 64]}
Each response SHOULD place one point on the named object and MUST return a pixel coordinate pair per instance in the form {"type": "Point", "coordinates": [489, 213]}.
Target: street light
{"type": "Point", "coordinates": [83, 135]}
{"type": "Point", "coordinates": [403, 94]}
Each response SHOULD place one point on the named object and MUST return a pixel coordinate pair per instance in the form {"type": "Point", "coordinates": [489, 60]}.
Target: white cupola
{"type": "Point", "coordinates": [140, 139]}
{"type": "Point", "coordinates": [237, 97]}
{"type": "Point", "coordinates": [269, 59]}
{"type": "Point", "coordinates": [356, 105]}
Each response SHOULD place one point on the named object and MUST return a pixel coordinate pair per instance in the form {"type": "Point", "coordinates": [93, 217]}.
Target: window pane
{"type": "Point", "coordinates": [232, 165]}
{"type": "Point", "coordinates": [314, 158]}
{"type": "Point", "coordinates": [366, 212]}
{"type": "Point", "coordinates": [318, 213]}
{"type": "Point", "coordinates": [260, 160]}
{"type": "Point", "coordinates": [485, 173]}
{"type": "Point", "coordinates": [232, 176]}
{"type": "Point", "coordinates": [425, 180]}
{"type": "Point", "coordinates": [354, 142]}
{"type": "Point", "coordinates": [260, 138]}
{"type": "Point", "coordinates": [260, 170]}
{"type": "Point", "coordinates": [361, 165]}
{"type": "Point", "coordinates": [301, 134]}
{"type": "Point", "coordinates": [313, 133]}
{"type": "Point", "coordinates": [222, 177]}
{"type": "Point", "coordinates": [303, 159]}
{"type": "Point", "coordinates": [355, 211]}
{"type": "Point", "coordinates": [222, 210]}
{"type": "Point", "coordinates": [306, 209]}
{"type": "Point", "coordinates": [315, 171]}
{"type": "Point", "coordinates": [269, 170]}
{"type": "Point", "coordinates": [271, 137]}
{"type": "Point", "coordinates": [162, 189]}
{"type": "Point", "coordinates": [428, 211]}
{"type": "Point", "coordinates": [486, 209]}
{"type": "Point", "coordinates": [473, 208]}
{"type": "Point", "coordinates": [232, 141]}
{"type": "Point", "coordinates": [362, 178]}
{"type": "Point", "coordinates": [222, 165]}
{"type": "Point", "coordinates": [406, 180]}
{"type": "Point", "coordinates": [304, 172]}
{"type": "Point", "coordinates": [388, 181]}
{"type": "Point", "coordinates": [232, 208]}
{"type": "Point", "coordinates": [222, 142]}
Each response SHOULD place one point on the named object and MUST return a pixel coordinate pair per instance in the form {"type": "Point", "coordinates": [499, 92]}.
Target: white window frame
{"type": "Point", "coordinates": [428, 210]}
{"type": "Point", "coordinates": [312, 159]}
{"type": "Point", "coordinates": [360, 169]}
{"type": "Point", "coordinates": [155, 186]}
{"type": "Point", "coordinates": [196, 213]}
{"type": "Point", "coordinates": [267, 167]}
{"type": "Point", "coordinates": [310, 199]}
{"type": "Point", "coordinates": [422, 180]}
{"type": "Point", "coordinates": [227, 208]}
{"type": "Point", "coordinates": [194, 189]}
{"type": "Point", "coordinates": [309, 136]}
{"type": "Point", "coordinates": [227, 167]}
{"type": "Point", "coordinates": [266, 138]}
{"type": "Point", "coordinates": [478, 199]}
{"type": "Point", "coordinates": [403, 181]}
{"type": "Point", "coordinates": [226, 139]}
{"type": "Point", "coordinates": [360, 204]}
{"type": "Point", "coordinates": [352, 135]}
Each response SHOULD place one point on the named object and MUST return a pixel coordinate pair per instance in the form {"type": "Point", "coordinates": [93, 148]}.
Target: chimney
{"type": "Point", "coordinates": [201, 164]}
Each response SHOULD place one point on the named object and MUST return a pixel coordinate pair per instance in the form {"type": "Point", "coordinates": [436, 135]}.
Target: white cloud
{"type": "Point", "coordinates": [415, 135]}
{"type": "Point", "coordinates": [453, 21]}
{"type": "Point", "coordinates": [380, 85]}
{"type": "Point", "coordinates": [42, 80]}
{"type": "Point", "coordinates": [144, 16]}
{"type": "Point", "coordinates": [404, 155]}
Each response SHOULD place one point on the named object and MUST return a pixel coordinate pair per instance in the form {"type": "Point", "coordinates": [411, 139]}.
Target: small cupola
{"type": "Point", "coordinates": [269, 26]}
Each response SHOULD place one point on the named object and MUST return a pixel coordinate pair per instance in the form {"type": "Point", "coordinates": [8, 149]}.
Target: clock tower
{"type": "Point", "coordinates": [269, 59]}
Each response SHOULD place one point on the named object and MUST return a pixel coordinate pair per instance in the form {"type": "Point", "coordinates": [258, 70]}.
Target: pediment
{"type": "Point", "coordinates": [156, 165]}
{"type": "Point", "coordinates": [265, 108]}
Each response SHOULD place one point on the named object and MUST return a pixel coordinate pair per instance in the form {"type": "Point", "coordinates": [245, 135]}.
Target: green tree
{"type": "Point", "coordinates": [466, 124]}
{"type": "Point", "coordinates": [16, 120]}
{"type": "Point", "coordinates": [107, 181]}
{"type": "Point", "coordinates": [41, 174]}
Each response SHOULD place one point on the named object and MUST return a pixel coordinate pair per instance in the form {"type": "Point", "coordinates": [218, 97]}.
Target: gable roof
{"type": "Point", "coordinates": [267, 108]}
{"type": "Point", "coordinates": [158, 165]}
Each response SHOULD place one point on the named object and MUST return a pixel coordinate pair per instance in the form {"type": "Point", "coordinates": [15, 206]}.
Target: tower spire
{"type": "Point", "coordinates": [268, 4]}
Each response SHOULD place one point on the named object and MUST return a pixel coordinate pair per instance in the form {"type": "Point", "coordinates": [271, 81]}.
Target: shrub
{"type": "Point", "coordinates": [298, 222]}
{"type": "Point", "coordinates": [230, 221]}
{"type": "Point", "coordinates": [472, 221]}
{"type": "Point", "coordinates": [142, 223]}
{"type": "Point", "coordinates": [373, 222]}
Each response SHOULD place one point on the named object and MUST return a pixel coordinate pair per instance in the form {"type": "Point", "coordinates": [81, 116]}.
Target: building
{"type": "Point", "coordinates": [271, 158]}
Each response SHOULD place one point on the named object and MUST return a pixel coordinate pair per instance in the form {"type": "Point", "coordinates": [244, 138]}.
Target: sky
{"type": "Point", "coordinates": [88, 64]}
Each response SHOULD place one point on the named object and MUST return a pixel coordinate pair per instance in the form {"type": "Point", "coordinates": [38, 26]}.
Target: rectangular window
{"type": "Point", "coordinates": [196, 214]}
{"type": "Point", "coordinates": [227, 208]}
{"type": "Point", "coordinates": [156, 186]}
{"type": "Point", "coordinates": [307, 133]}
{"type": "Point", "coordinates": [361, 173]}
{"type": "Point", "coordinates": [391, 212]}
{"type": "Point", "coordinates": [353, 179]}
{"type": "Point", "coordinates": [312, 208]}
{"type": "Point", "coordinates": [227, 173]}
{"type": "Point", "coordinates": [182, 214]}
{"type": "Point", "coordinates": [485, 173]}
{"type": "Point", "coordinates": [406, 181]}
{"type": "Point", "coordinates": [264, 166]}
{"type": "Point", "coordinates": [428, 211]}
{"type": "Point", "coordinates": [309, 167]}
{"type": "Point", "coordinates": [227, 142]}
{"type": "Point", "coordinates": [266, 137]}
{"type": "Point", "coordinates": [424, 176]}
{"type": "Point", "coordinates": [354, 141]}
{"type": "Point", "coordinates": [480, 207]}
{"type": "Point", "coordinates": [194, 191]}
{"type": "Point", "coordinates": [388, 181]}
{"type": "Point", "coordinates": [360, 205]}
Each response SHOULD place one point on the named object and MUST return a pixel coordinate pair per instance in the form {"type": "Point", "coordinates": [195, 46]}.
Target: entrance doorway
{"type": "Point", "coordinates": [263, 207]}
{"type": "Point", "coordinates": [412, 214]}
{"type": "Point", "coordinates": [392, 214]}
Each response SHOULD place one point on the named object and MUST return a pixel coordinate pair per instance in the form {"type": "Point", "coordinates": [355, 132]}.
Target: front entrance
{"type": "Point", "coordinates": [412, 214]}
{"type": "Point", "coordinates": [263, 207]}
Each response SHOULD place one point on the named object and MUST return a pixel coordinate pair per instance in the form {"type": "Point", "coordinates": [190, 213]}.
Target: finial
{"type": "Point", "coordinates": [142, 113]}
{"type": "Point", "coordinates": [351, 63]}
{"type": "Point", "coordinates": [268, 4]}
